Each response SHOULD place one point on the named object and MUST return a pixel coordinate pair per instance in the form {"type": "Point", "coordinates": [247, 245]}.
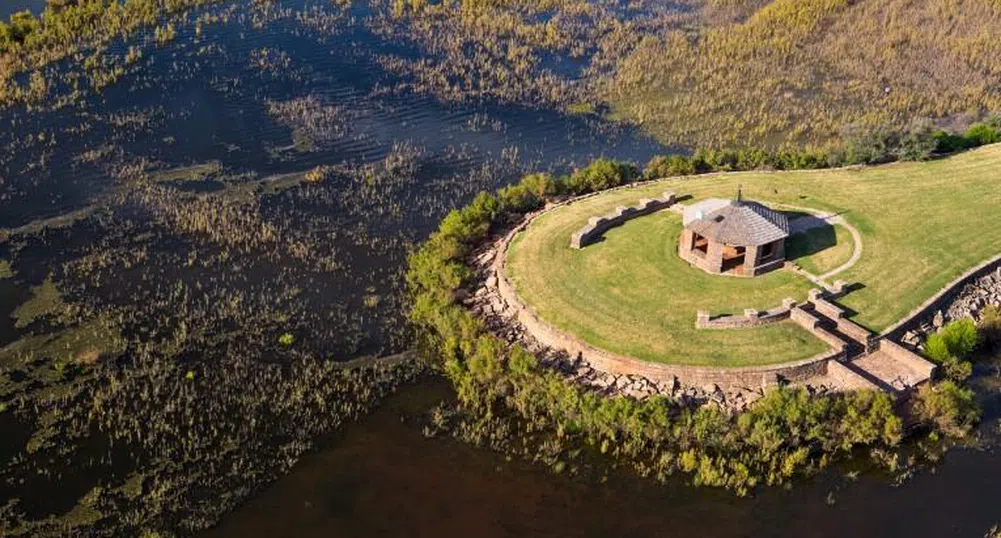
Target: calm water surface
{"type": "Point", "coordinates": [7, 7]}
{"type": "Point", "coordinates": [383, 478]}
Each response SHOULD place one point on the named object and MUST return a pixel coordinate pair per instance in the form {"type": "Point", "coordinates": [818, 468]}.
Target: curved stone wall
{"type": "Point", "coordinates": [549, 336]}
{"type": "Point", "coordinates": [596, 226]}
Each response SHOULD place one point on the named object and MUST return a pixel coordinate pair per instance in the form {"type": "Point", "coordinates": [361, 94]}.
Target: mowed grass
{"type": "Point", "coordinates": [632, 294]}
{"type": "Point", "coordinates": [922, 225]}
{"type": "Point", "coordinates": [821, 249]}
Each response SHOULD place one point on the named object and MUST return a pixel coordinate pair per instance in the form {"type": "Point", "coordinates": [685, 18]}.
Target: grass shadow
{"type": "Point", "coordinates": [810, 242]}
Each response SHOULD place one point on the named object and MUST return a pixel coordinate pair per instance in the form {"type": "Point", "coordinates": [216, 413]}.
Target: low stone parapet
{"type": "Point", "coordinates": [910, 359]}
{"type": "Point", "coordinates": [827, 308]}
{"type": "Point", "coordinates": [596, 226]}
{"type": "Point", "coordinates": [858, 333]}
{"type": "Point", "coordinates": [750, 318]}
{"type": "Point", "coordinates": [805, 319]}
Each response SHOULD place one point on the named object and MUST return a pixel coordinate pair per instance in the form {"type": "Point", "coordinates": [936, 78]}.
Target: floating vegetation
{"type": "Point", "coordinates": [46, 300]}
{"type": "Point", "coordinates": [314, 125]}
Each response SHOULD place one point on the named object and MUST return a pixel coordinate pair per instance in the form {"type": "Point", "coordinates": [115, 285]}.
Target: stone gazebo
{"type": "Point", "coordinates": [734, 237]}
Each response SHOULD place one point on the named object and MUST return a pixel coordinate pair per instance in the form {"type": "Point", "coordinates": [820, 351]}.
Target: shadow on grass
{"type": "Point", "coordinates": [810, 242]}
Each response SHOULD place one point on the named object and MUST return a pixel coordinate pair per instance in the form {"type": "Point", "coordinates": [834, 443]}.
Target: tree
{"type": "Point", "coordinates": [601, 174]}
{"type": "Point", "coordinates": [949, 408]}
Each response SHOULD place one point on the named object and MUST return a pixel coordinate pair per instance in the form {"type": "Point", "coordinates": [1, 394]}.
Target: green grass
{"type": "Point", "coordinates": [922, 225]}
{"type": "Point", "coordinates": [821, 249]}
{"type": "Point", "coordinates": [632, 294]}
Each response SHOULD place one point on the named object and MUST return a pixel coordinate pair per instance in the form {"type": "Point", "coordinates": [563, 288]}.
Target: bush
{"type": "Point", "coordinates": [864, 145]}
{"type": "Point", "coordinates": [668, 166]}
{"type": "Point", "coordinates": [600, 175]}
{"type": "Point", "coordinates": [957, 339]}
{"type": "Point", "coordinates": [917, 143]}
{"type": "Point", "coordinates": [981, 134]}
{"type": "Point", "coordinates": [948, 408]}
{"type": "Point", "coordinates": [541, 185]}
{"type": "Point", "coordinates": [955, 369]}
{"type": "Point", "coordinates": [990, 327]}
{"type": "Point", "coordinates": [517, 199]}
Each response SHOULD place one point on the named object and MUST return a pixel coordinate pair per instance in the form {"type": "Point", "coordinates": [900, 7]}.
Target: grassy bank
{"type": "Point", "coordinates": [922, 224]}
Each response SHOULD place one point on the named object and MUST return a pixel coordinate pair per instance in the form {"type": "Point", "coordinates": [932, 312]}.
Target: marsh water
{"type": "Point", "coordinates": [172, 210]}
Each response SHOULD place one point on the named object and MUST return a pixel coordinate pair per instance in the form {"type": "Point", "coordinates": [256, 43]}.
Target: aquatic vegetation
{"type": "Point", "coordinates": [28, 43]}
{"type": "Point", "coordinates": [798, 71]}
{"type": "Point", "coordinates": [314, 125]}
{"type": "Point", "coordinates": [46, 300]}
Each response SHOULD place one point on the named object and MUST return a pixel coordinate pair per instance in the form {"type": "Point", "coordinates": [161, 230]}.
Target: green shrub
{"type": "Point", "coordinates": [947, 407]}
{"type": "Point", "coordinates": [864, 145]}
{"type": "Point", "coordinates": [990, 327]}
{"type": "Point", "coordinates": [955, 369]}
{"type": "Point", "coordinates": [951, 346]}
{"type": "Point", "coordinates": [517, 199]}
{"type": "Point", "coordinates": [600, 175]}
{"type": "Point", "coordinates": [916, 143]}
{"type": "Point", "coordinates": [980, 134]}
{"type": "Point", "coordinates": [668, 166]}
{"type": "Point", "coordinates": [956, 339]}
{"type": "Point", "coordinates": [541, 185]}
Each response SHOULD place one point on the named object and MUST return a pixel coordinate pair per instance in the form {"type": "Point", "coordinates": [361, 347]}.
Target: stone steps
{"type": "Point", "coordinates": [869, 362]}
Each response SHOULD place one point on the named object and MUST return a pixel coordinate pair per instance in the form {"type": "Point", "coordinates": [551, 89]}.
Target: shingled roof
{"type": "Point", "coordinates": [736, 222]}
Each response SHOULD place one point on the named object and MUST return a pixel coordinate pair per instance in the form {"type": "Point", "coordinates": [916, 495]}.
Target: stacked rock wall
{"type": "Point", "coordinates": [596, 226]}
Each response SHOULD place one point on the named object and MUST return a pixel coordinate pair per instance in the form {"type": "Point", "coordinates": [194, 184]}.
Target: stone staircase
{"type": "Point", "coordinates": [867, 361]}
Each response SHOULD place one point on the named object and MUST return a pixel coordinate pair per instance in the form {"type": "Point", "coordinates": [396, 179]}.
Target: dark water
{"type": "Point", "coordinates": [383, 478]}
{"type": "Point", "coordinates": [208, 98]}
{"type": "Point", "coordinates": [7, 7]}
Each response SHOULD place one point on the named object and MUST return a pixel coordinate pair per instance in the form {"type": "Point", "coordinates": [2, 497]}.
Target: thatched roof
{"type": "Point", "coordinates": [736, 222]}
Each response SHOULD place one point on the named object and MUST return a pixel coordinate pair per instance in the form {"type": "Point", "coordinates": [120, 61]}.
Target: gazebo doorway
{"type": "Point", "coordinates": [733, 259]}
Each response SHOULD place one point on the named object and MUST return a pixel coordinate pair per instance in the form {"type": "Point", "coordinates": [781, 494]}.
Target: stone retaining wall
{"type": "Point", "coordinates": [758, 377]}
{"type": "Point", "coordinates": [848, 378]}
{"type": "Point", "coordinates": [905, 356]}
{"type": "Point", "coordinates": [845, 326]}
{"type": "Point", "coordinates": [596, 226]}
{"type": "Point", "coordinates": [947, 295]}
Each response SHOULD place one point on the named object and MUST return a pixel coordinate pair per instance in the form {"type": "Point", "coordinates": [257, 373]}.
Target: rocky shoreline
{"type": "Point", "coordinates": [968, 302]}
